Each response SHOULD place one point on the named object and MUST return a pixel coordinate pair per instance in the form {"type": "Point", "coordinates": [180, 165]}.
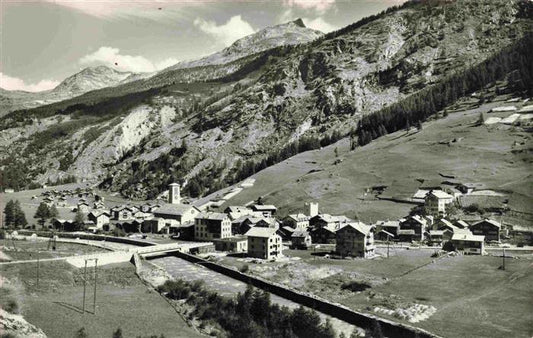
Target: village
{"type": "Point", "coordinates": [256, 230]}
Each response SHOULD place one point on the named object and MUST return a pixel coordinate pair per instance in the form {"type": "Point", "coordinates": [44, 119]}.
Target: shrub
{"type": "Point", "coordinates": [244, 269]}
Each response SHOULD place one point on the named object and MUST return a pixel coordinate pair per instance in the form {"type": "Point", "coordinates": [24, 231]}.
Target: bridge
{"type": "Point", "coordinates": [121, 256]}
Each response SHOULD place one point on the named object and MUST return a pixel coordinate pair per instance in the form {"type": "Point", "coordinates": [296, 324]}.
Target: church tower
{"type": "Point", "coordinates": [174, 193]}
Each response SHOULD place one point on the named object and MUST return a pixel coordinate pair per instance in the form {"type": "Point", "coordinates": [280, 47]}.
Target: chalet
{"type": "Point", "coordinates": [488, 228]}
{"type": "Point", "coordinates": [155, 225]}
{"type": "Point", "coordinates": [264, 243]}
{"type": "Point", "coordinates": [235, 212]}
{"type": "Point", "coordinates": [468, 243]}
{"type": "Point", "coordinates": [355, 239]}
{"type": "Point", "coordinates": [435, 237]}
{"type": "Point", "coordinates": [266, 210]}
{"type": "Point", "coordinates": [384, 235]}
{"type": "Point", "coordinates": [212, 225]}
{"type": "Point", "coordinates": [443, 224]}
{"type": "Point", "coordinates": [99, 205]}
{"type": "Point", "coordinates": [149, 207]}
{"type": "Point", "coordinates": [324, 234]}
{"type": "Point", "coordinates": [326, 220]}
{"type": "Point", "coordinates": [286, 232]}
{"type": "Point", "coordinates": [129, 226]}
{"type": "Point", "coordinates": [297, 221]}
{"type": "Point", "coordinates": [468, 187]}
{"type": "Point", "coordinates": [301, 239]}
{"type": "Point", "coordinates": [236, 244]}
{"type": "Point", "coordinates": [436, 201]}
{"type": "Point", "coordinates": [179, 213]}
{"type": "Point", "coordinates": [62, 202]}
{"type": "Point", "coordinates": [245, 223]}
{"type": "Point", "coordinates": [141, 216]}
{"type": "Point", "coordinates": [169, 227]}
{"type": "Point", "coordinates": [84, 207]}
{"type": "Point", "coordinates": [416, 223]}
{"type": "Point", "coordinates": [63, 224]}
{"type": "Point", "coordinates": [99, 218]}
{"type": "Point", "coordinates": [267, 223]}
{"type": "Point", "coordinates": [391, 227]}
{"type": "Point", "coordinates": [420, 195]}
{"type": "Point", "coordinates": [407, 235]}
{"type": "Point", "coordinates": [123, 212]}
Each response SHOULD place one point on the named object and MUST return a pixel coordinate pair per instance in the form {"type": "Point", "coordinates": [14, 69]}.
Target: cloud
{"type": "Point", "coordinates": [112, 9]}
{"type": "Point", "coordinates": [227, 33]}
{"type": "Point", "coordinates": [318, 5]}
{"type": "Point", "coordinates": [319, 24]}
{"type": "Point", "coordinates": [110, 56]}
{"type": "Point", "coordinates": [12, 83]}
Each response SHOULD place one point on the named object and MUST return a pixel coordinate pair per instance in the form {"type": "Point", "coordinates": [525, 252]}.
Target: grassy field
{"type": "Point", "coordinates": [122, 301]}
{"type": "Point", "coordinates": [27, 250]}
{"type": "Point", "coordinates": [485, 154]}
{"type": "Point", "coordinates": [472, 296]}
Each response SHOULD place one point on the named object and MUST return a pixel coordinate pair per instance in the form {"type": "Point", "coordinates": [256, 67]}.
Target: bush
{"type": "Point", "coordinates": [448, 246]}
{"type": "Point", "coordinates": [244, 269]}
{"type": "Point", "coordinates": [117, 232]}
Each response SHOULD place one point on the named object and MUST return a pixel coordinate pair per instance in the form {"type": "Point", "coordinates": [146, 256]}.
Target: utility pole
{"type": "Point", "coordinates": [503, 259]}
{"type": "Point", "coordinates": [388, 242]}
{"type": "Point", "coordinates": [38, 266]}
{"type": "Point", "coordinates": [94, 300]}
{"type": "Point", "coordinates": [84, 284]}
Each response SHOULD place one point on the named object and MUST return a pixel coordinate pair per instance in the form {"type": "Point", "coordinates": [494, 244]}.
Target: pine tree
{"type": "Point", "coordinates": [79, 220]}
{"type": "Point", "coordinates": [53, 212]}
{"type": "Point", "coordinates": [20, 217]}
{"type": "Point", "coordinates": [9, 211]}
{"type": "Point", "coordinates": [42, 213]}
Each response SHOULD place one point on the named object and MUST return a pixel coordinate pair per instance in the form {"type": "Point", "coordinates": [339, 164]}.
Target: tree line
{"type": "Point", "coordinates": [427, 102]}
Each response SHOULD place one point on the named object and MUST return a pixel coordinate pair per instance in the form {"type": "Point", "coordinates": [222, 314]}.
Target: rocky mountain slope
{"type": "Point", "coordinates": [209, 125]}
{"type": "Point", "coordinates": [88, 79]}
{"type": "Point", "coordinates": [290, 33]}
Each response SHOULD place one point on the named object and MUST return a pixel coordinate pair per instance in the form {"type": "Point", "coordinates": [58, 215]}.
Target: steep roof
{"type": "Point", "coordinates": [174, 209]}
{"type": "Point", "coordinates": [462, 224]}
{"type": "Point", "coordinates": [98, 213]}
{"type": "Point", "coordinates": [300, 233]}
{"type": "Point", "coordinates": [298, 217]}
{"type": "Point", "coordinates": [490, 221]}
{"type": "Point", "coordinates": [261, 232]}
{"type": "Point", "coordinates": [236, 208]}
{"type": "Point", "coordinates": [463, 236]}
{"type": "Point", "coordinates": [264, 207]}
{"type": "Point", "coordinates": [439, 194]}
{"type": "Point", "coordinates": [446, 223]}
{"type": "Point", "coordinates": [359, 226]}
{"type": "Point", "coordinates": [212, 216]}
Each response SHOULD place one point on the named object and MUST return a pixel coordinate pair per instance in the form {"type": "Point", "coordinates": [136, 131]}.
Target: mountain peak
{"type": "Point", "coordinates": [299, 22]}
{"type": "Point", "coordinates": [91, 78]}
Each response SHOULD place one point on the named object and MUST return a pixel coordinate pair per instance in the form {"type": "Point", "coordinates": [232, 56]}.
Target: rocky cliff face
{"type": "Point", "coordinates": [257, 104]}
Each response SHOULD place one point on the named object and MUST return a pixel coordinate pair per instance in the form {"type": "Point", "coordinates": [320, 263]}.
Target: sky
{"type": "Point", "coordinates": [43, 42]}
